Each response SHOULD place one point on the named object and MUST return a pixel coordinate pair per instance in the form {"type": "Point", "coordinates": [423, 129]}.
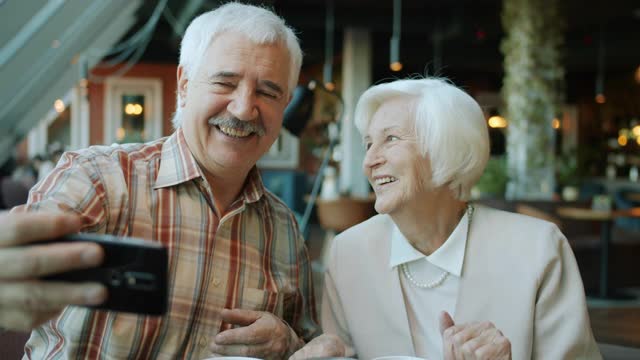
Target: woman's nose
{"type": "Point", "coordinates": [372, 158]}
{"type": "Point", "coordinates": [243, 106]}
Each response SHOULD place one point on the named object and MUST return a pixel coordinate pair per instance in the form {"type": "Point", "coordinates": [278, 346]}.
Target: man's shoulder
{"type": "Point", "coordinates": [119, 153]}
{"type": "Point", "coordinates": [276, 205]}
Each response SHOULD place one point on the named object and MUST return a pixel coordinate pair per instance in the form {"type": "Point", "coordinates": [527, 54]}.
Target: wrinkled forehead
{"type": "Point", "coordinates": [397, 112]}
{"type": "Point", "coordinates": [245, 58]}
{"type": "Point", "coordinates": [237, 48]}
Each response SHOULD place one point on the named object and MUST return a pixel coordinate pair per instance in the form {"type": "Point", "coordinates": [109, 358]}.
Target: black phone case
{"type": "Point", "coordinates": [134, 272]}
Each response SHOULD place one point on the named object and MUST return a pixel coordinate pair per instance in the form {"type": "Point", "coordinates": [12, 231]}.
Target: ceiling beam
{"type": "Point", "coordinates": [38, 72]}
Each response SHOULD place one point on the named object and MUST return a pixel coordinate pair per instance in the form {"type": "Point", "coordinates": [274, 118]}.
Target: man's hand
{"type": "Point", "coordinates": [477, 340]}
{"type": "Point", "coordinates": [26, 302]}
{"type": "Point", "coordinates": [262, 335]}
{"type": "Point", "coordinates": [325, 345]}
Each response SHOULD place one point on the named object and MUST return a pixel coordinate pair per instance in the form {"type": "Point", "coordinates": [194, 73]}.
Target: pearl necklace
{"type": "Point", "coordinates": [437, 282]}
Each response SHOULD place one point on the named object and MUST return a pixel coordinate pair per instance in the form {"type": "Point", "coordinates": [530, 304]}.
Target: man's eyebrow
{"type": "Point", "coordinates": [224, 75]}
{"type": "Point", "coordinates": [273, 86]}
{"type": "Point", "coordinates": [232, 75]}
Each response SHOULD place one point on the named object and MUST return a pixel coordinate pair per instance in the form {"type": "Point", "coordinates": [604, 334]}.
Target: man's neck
{"type": "Point", "coordinates": [226, 189]}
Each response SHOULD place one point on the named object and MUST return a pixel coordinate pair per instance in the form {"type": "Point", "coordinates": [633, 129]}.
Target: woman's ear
{"type": "Point", "coordinates": [183, 81]}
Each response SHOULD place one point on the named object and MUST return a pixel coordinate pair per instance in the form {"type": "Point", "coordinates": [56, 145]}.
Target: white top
{"type": "Point", "coordinates": [424, 305]}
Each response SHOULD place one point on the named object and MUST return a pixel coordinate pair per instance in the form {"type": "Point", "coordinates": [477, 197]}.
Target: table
{"type": "Point", "coordinates": [633, 197]}
{"type": "Point", "coordinates": [606, 218]}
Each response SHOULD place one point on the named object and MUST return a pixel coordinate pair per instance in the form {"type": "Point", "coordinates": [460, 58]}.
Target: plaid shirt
{"type": "Point", "coordinates": [251, 258]}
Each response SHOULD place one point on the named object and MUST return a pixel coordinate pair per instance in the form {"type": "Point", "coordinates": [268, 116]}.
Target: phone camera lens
{"type": "Point", "coordinates": [116, 278]}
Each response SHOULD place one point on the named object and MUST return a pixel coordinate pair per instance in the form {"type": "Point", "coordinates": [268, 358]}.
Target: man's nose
{"type": "Point", "coordinates": [243, 105]}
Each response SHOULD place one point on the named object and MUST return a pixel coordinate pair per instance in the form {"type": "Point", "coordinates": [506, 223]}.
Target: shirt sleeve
{"type": "Point", "coordinates": [303, 320]}
{"type": "Point", "coordinates": [562, 329]}
{"type": "Point", "coordinates": [76, 185]}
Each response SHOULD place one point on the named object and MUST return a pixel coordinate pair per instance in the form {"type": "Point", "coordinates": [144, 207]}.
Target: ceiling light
{"type": "Point", "coordinates": [622, 140]}
{"type": "Point", "coordinates": [327, 71]}
{"type": "Point", "coordinates": [600, 98]}
{"type": "Point", "coordinates": [129, 109]}
{"type": "Point", "coordinates": [497, 122]}
{"type": "Point", "coordinates": [58, 105]}
{"type": "Point", "coordinates": [394, 56]}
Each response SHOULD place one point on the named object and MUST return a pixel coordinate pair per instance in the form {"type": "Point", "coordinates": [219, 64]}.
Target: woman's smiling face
{"type": "Point", "coordinates": [396, 170]}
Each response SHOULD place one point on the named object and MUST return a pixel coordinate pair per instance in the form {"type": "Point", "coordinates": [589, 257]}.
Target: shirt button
{"type": "Point", "coordinates": [203, 341]}
{"type": "Point", "coordinates": [216, 282]}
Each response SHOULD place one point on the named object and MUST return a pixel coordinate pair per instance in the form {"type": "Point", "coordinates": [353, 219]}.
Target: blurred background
{"type": "Point", "coordinates": [558, 80]}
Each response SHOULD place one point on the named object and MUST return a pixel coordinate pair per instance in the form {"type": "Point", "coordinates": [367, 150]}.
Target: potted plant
{"type": "Point", "coordinates": [493, 182]}
{"type": "Point", "coordinates": [567, 176]}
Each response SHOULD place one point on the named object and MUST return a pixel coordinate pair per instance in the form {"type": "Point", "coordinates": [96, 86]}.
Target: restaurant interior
{"type": "Point", "coordinates": [76, 73]}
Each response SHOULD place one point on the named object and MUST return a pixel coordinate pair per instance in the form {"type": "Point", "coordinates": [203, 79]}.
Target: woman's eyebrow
{"type": "Point", "coordinates": [389, 129]}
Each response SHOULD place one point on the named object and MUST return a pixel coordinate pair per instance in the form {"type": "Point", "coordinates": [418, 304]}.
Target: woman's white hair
{"type": "Point", "coordinates": [449, 124]}
{"type": "Point", "coordinates": [259, 24]}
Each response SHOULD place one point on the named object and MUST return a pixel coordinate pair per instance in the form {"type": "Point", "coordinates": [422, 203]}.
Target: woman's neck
{"type": "Point", "coordinates": [428, 221]}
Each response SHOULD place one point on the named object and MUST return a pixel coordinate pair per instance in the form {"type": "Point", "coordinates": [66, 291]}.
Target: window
{"type": "Point", "coordinates": [283, 154]}
{"type": "Point", "coordinates": [133, 110]}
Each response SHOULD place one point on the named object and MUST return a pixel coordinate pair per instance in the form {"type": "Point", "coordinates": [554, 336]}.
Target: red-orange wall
{"type": "Point", "coordinates": [164, 72]}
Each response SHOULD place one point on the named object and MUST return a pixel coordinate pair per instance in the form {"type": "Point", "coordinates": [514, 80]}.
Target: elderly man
{"type": "Point", "coordinates": [240, 282]}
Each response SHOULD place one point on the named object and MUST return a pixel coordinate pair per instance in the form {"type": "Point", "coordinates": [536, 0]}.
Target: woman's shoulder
{"type": "Point", "coordinates": [362, 248]}
{"type": "Point", "coordinates": [510, 219]}
{"type": "Point", "coordinates": [374, 226]}
{"type": "Point", "coordinates": [524, 232]}
{"type": "Point", "coordinates": [369, 234]}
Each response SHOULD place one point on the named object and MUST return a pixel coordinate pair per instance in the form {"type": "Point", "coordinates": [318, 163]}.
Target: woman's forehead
{"type": "Point", "coordinates": [395, 114]}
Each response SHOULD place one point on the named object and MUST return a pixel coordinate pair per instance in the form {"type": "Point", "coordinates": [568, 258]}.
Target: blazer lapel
{"type": "Point", "coordinates": [395, 309]}
{"type": "Point", "coordinates": [479, 275]}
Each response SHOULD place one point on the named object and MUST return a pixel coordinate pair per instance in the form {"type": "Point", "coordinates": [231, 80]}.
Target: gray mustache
{"type": "Point", "coordinates": [237, 124]}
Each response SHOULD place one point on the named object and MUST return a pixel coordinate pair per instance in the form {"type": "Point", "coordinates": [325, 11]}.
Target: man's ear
{"type": "Point", "coordinates": [182, 85]}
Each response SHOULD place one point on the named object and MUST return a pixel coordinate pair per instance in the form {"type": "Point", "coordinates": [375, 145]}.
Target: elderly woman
{"type": "Point", "coordinates": [434, 275]}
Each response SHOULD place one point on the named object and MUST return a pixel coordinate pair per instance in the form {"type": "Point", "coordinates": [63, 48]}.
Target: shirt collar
{"type": "Point", "coordinates": [449, 256]}
{"type": "Point", "coordinates": [177, 165]}
{"type": "Point", "coordinates": [254, 188]}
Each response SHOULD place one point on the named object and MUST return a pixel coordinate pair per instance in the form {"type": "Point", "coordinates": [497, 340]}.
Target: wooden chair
{"type": "Point", "coordinates": [12, 344]}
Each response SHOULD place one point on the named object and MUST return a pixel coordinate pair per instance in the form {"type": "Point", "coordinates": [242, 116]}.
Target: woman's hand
{"type": "Point", "coordinates": [325, 345]}
{"type": "Point", "coordinates": [471, 341]}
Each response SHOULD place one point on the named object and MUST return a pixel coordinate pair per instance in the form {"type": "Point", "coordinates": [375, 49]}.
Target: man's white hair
{"type": "Point", "coordinates": [259, 24]}
{"type": "Point", "coordinates": [449, 124]}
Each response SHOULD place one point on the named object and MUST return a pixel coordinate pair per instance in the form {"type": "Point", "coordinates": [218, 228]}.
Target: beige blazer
{"type": "Point", "coordinates": [519, 273]}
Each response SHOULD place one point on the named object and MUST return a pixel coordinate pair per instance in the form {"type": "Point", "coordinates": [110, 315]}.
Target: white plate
{"type": "Point", "coordinates": [232, 358]}
{"type": "Point", "coordinates": [398, 357]}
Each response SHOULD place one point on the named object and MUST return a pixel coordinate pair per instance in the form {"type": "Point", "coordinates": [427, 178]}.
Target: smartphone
{"type": "Point", "coordinates": [134, 272]}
